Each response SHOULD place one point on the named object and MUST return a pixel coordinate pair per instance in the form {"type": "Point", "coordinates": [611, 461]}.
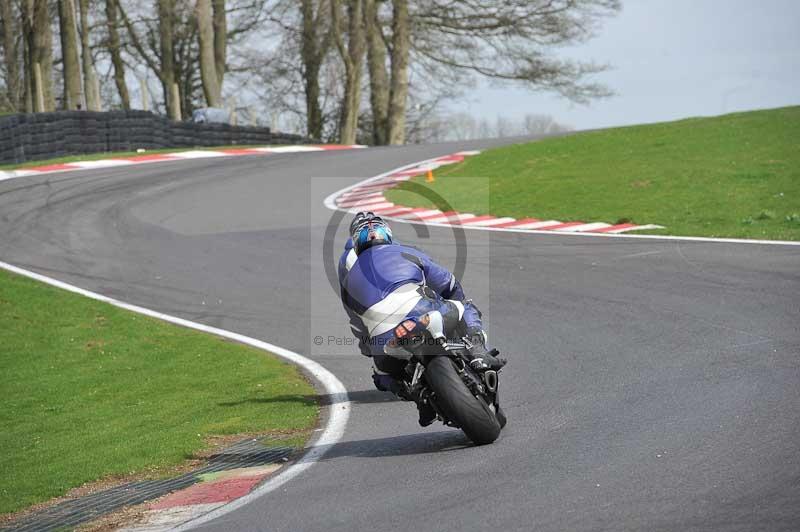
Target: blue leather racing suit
{"type": "Point", "coordinates": [389, 283]}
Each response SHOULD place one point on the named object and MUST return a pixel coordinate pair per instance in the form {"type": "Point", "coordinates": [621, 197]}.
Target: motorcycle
{"type": "Point", "coordinates": [442, 373]}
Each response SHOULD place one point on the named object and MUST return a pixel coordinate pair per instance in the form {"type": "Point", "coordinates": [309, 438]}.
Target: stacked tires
{"type": "Point", "coordinates": [37, 136]}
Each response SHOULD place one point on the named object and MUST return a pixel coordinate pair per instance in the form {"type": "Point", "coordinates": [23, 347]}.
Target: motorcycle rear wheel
{"type": "Point", "coordinates": [452, 396]}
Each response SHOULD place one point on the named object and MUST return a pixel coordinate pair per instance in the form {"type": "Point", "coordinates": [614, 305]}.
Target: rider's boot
{"type": "Point", "coordinates": [427, 414]}
{"type": "Point", "coordinates": [482, 358]}
{"type": "Point", "coordinates": [388, 383]}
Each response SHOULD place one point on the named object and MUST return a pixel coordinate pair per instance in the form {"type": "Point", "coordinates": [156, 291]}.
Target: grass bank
{"type": "Point", "coordinates": [92, 391]}
{"type": "Point", "coordinates": [736, 175]}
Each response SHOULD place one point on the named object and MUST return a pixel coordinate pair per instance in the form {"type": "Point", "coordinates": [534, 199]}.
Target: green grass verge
{"type": "Point", "coordinates": [90, 391]}
{"type": "Point", "coordinates": [736, 175]}
{"type": "Point", "coordinates": [114, 154]}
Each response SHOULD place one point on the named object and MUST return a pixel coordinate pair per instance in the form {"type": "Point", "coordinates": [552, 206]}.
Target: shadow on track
{"type": "Point", "coordinates": [405, 445]}
{"type": "Point", "coordinates": [357, 397]}
{"type": "Point", "coordinates": [402, 445]}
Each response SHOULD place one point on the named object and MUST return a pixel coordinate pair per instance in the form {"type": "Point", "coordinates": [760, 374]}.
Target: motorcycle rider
{"type": "Point", "coordinates": [383, 284]}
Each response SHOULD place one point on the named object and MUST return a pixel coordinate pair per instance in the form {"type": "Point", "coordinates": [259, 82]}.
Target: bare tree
{"type": "Point", "coordinates": [352, 57]}
{"type": "Point", "coordinates": [44, 38]}
{"type": "Point", "coordinates": [10, 55]}
{"type": "Point", "coordinates": [166, 21]}
{"type": "Point", "coordinates": [296, 73]}
{"type": "Point", "coordinates": [485, 130]}
{"type": "Point", "coordinates": [398, 91]}
{"type": "Point", "coordinates": [69, 54]}
{"type": "Point", "coordinates": [212, 38]}
{"type": "Point", "coordinates": [462, 126]}
{"type": "Point", "coordinates": [536, 124]}
{"type": "Point", "coordinates": [509, 41]}
{"type": "Point", "coordinates": [325, 80]}
{"type": "Point", "coordinates": [150, 37]}
{"type": "Point", "coordinates": [378, 79]}
{"type": "Point", "coordinates": [315, 42]}
{"type": "Point", "coordinates": [279, 53]}
{"type": "Point", "coordinates": [212, 86]}
{"type": "Point", "coordinates": [90, 86]}
{"type": "Point", "coordinates": [452, 41]}
{"type": "Point", "coordinates": [38, 40]}
{"type": "Point", "coordinates": [115, 51]}
{"type": "Point", "coordinates": [160, 57]}
{"type": "Point", "coordinates": [504, 127]}
{"type": "Point", "coordinates": [514, 40]}
{"type": "Point", "coordinates": [220, 21]}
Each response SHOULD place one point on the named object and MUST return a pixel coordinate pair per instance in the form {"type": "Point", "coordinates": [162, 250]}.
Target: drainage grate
{"type": "Point", "coordinates": [247, 453]}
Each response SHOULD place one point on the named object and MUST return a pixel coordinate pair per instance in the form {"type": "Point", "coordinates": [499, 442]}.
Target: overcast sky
{"type": "Point", "coordinates": [672, 59]}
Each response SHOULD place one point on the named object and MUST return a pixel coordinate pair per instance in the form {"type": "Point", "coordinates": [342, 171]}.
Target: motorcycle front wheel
{"type": "Point", "coordinates": [452, 396]}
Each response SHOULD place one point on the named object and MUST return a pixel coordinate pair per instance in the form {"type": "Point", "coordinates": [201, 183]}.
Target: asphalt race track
{"type": "Point", "coordinates": [652, 384]}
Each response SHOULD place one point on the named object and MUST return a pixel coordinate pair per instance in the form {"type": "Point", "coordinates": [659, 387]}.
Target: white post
{"type": "Point", "coordinates": [98, 101]}
{"type": "Point", "coordinates": [145, 94]}
{"type": "Point", "coordinates": [176, 97]}
{"type": "Point", "coordinates": [232, 110]}
{"type": "Point", "coordinates": [37, 77]}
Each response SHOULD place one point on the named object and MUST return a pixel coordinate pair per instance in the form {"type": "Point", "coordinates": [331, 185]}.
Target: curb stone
{"type": "Point", "coordinates": [164, 157]}
{"type": "Point", "coordinates": [368, 195]}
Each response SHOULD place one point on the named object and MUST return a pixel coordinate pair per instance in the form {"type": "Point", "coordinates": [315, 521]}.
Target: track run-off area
{"type": "Point", "coordinates": [653, 384]}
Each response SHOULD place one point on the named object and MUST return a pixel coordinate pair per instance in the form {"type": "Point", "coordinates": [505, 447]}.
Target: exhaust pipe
{"type": "Point", "coordinates": [490, 378]}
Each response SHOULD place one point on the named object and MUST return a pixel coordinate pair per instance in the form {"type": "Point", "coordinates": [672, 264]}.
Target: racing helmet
{"type": "Point", "coordinates": [369, 230]}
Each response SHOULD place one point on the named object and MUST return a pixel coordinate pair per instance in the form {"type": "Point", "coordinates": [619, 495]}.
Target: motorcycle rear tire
{"type": "Point", "coordinates": [452, 396]}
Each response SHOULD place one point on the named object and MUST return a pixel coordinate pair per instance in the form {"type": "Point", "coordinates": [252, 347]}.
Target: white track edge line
{"type": "Point", "coordinates": [329, 202]}
{"type": "Point", "coordinates": [338, 412]}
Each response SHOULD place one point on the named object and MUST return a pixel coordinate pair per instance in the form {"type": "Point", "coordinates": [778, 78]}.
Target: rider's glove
{"type": "Point", "coordinates": [477, 336]}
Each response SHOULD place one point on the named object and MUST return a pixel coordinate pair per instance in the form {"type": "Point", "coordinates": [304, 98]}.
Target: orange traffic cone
{"type": "Point", "coordinates": [429, 178]}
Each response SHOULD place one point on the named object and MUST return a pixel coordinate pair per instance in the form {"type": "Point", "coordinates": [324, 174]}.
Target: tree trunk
{"type": "Point", "coordinates": [378, 81]}
{"type": "Point", "coordinates": [398, 93]}
{"type": "Point", "coordinates": [43, 54]}
{"type": "Point", "coordinates": [28, 8]}
{"type": "Point", "coordinates": [352, 56]}
{"type": "Point", "coordinates": [27, 82]}
{"type": "Point", "coordinates": [112, 22]}
{"type": "Point", "coordinates": [89, 76]}
{"type": "Point", "coordinates": [27, 64]}
{"type": "Point", "coordinates": [69, 51]}
{"type": "Point", "coordinates": [208, 66]}
{"type": "Point", "coordinates": [313, 110]}
{"type": "Point", "coordinates": [10, 55]}
{"type": "Point", "coordinates": [311, 55]}
{"type": "Point", "coordinates": [39, 55]}
{"type": "Point", "coordinates": [220, 40]}
{"type": "Point", "coordinates": [166, 18]}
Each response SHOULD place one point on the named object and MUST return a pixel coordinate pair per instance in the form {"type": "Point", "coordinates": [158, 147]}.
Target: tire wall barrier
{"type": "Point", "coordinates": [37, 136]}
